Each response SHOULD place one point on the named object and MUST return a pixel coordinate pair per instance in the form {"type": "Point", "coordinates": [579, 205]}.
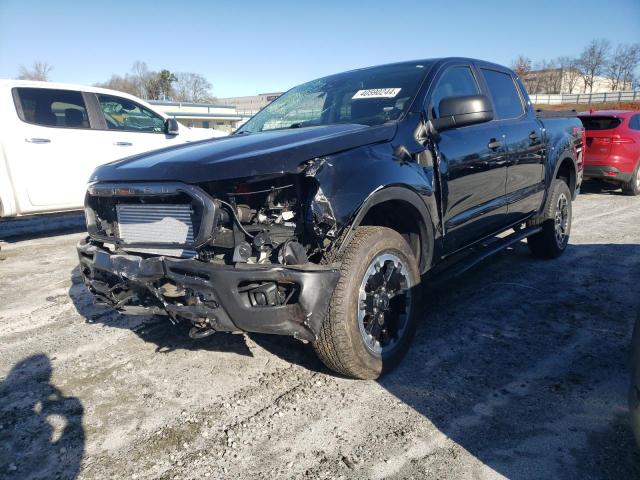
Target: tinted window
{"type": "Point", "coordinates": [455, 82]}
{"type": "Point", "coordinates": [123, 114]}
{"type": "Point", "coordinates": [600, 123]}
{"type": "Point", "coordinates": [634, 123]}
{"type": "Point", "coordinates": [52, 108]}
{"type": "Point", "coordinates": [506, 98]}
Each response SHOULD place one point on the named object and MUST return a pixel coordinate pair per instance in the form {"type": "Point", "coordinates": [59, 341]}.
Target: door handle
{"type": "Point", "coordinates": [37, 140]}
{"type": "Point", "coordinates": [122, 144]}
{"type": "Point", "coordinates": [494, 144]}
{"type": "Point", "coordinates": [533, 136]}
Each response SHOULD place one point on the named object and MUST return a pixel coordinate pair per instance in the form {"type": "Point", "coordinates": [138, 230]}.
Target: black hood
{"type": "Point", "coordinates": [238, 156]}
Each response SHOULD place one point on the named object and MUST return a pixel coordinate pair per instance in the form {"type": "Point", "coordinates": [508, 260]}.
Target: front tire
{"type": "Point", "coordinates": [552, 241]}
{"type": "Point", "coordinates": [372, 314]}
{"type": "Point", "coordinates": [632, 187]}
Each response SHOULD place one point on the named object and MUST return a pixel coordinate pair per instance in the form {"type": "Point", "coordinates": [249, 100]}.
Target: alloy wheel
{"type": "Point", "coordinates": [384, 303]}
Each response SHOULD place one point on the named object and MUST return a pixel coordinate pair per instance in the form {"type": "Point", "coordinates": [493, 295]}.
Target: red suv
{"type": "Point", "coordinates": [612, 151]}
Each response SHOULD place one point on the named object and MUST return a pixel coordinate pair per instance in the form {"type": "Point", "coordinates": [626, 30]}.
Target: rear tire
{"type": "Point", "coordinates": [552, 241]}
{"type": "Point", "coordinates": [372, 314]}
{"type": "Point", "coordinates": [632, 187]}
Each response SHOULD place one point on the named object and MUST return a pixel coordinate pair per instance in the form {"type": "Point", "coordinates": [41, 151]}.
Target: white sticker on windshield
{"type": "Point", "coordinates": [377, 93]}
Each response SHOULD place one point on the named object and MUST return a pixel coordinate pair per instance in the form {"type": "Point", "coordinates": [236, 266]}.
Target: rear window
{"type": "Point", "coordinates": [505, 96]}
{"type": "Point", "coordinates": [600, 123]}
{"type": "Point", "coordinates": [52, 108]}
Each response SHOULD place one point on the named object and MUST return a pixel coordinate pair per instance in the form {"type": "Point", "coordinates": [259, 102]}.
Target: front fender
{"type": "Point", "coordinates": [355, 181]}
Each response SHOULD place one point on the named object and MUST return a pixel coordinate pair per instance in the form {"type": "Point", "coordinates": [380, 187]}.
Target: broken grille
{"type": "Point", "coordinates": [168, 227]}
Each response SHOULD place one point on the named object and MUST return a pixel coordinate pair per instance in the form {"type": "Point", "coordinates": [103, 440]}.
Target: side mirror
{"type": "Point", "coordinates": [171, 126]}
{"type": "Point", "coordinates": [463, 111]}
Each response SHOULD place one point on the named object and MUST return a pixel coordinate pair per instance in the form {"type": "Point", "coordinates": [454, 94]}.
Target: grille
{"type": "Point", "coordinates": [165, 224]}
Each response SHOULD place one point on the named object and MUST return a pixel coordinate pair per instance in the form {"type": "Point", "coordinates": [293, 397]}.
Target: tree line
{"type": "Point", "coordinates": [142, 82]}
{"type": "Point", "coordinates": [580, 74]}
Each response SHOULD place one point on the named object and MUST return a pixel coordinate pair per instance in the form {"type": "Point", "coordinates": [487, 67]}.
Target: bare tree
{"type": "Point", "coordinates": [162, 85]}
{"type": "Point", "coordinates": [521, 65]}
{"type": "Point", "coordinates": [192, 87]}
{"type": "Point", "coordinates": [570, 73]}
{"type": "Point", "coordinates": [142, 79]}
{"type": "Point", "coordinates": [622, 65]}
{"type": "Point", "coordinates": [593, 61]}
{"type": "Point", "coordinates": [551, 76]}
{"type": "Point", "coordinates": [122, 84]}
{"type": "Point", "coordinates": [545, 77]}
{"type": "Point", "coordinates": [38, 71]}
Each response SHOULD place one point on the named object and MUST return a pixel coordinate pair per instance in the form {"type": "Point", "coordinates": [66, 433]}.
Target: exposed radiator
{"type": "Point", "coordinates": [170, 224]}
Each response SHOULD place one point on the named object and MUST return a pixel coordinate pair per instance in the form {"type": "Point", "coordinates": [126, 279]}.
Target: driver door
{"type": "Point", "coordinates": [128, 128]}
{"type": "Point", "coordinates": [473, 166]}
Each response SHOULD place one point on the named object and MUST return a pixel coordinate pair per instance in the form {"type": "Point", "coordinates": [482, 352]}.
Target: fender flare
{"type": "Point", "coordinates": [558, 161]}
{"type": "Point", "coordinates": [398, 193]}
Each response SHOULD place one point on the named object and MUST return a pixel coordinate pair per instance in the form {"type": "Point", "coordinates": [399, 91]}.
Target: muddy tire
{"type": "Point", "coordinates": [632, 187]}
{"type": "Point", "coordinates": [372, 314]}
{"type": "Point", "coordinates": [556, 223]}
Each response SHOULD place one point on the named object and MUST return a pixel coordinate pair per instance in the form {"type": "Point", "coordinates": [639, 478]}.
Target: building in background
{"type": "Point", "coordinates": [567, 80]}
{"type": "Point", "coordinates": [250, 105]}
{"type": "Point", "coordinates": [202, 115]}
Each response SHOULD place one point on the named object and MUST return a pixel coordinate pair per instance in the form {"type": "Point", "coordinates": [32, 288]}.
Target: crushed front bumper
{"type": "Point", "coordinates": [225, 298]}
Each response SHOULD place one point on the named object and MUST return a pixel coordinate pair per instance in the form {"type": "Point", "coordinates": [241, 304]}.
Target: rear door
{"type": "Point", "coordinates": [472, 162]}
{"type": "Point", "coordinates": [49, 154]}
{"type": "Point", "coordinates": [524, 140]}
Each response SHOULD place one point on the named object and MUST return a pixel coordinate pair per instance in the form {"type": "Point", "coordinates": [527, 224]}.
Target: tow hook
{"type": "Point", "coordinates": [201, 329]}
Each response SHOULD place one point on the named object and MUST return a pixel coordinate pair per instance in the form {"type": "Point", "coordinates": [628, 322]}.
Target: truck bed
{"type": "Point", "coordinates": [556, 113]}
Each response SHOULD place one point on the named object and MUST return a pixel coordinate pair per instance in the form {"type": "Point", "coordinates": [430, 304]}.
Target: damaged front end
{"type": "Point", "coordinates": [242, 255]}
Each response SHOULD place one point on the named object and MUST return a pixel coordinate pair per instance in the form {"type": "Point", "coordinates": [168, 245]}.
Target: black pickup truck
{"type": "Point", "coordinates": [321, 216]}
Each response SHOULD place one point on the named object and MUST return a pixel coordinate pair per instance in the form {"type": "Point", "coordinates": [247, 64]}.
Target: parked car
{"type": "Point", "coordinates": [54, 135]}
{"type": "Point", "coordinates": [319, 216]}
{"type": "Point", "coordinates": [612, 151]}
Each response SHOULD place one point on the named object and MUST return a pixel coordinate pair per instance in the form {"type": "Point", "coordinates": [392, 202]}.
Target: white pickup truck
{"type": "Point", "coordinates": [52, 136]}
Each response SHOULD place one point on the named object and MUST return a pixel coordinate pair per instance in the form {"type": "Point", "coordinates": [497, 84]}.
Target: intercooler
{"type": "Point", "coordinates": [168, 227]}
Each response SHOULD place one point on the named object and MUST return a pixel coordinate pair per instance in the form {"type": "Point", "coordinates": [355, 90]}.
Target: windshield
{"type": "Point", "coordinates": [371, 96]}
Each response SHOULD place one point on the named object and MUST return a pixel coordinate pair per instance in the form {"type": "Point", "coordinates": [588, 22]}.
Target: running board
{"type": "Point", "coordinates": [471, 260]}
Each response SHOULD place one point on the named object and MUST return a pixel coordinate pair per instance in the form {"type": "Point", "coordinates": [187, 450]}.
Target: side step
{"type": "Point", "coordinates": [450, 268]}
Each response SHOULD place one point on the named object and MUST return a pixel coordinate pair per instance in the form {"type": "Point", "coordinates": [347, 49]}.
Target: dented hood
{"type": "Point", "coordinates": [237, 156]}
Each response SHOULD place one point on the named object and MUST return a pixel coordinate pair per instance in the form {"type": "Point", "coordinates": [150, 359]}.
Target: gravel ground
{"type": "Point", "coordinates": [518, 370]}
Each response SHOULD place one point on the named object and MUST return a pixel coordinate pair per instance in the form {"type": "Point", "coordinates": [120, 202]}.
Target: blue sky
{"type": "Point", "coordinates": [245, 47]}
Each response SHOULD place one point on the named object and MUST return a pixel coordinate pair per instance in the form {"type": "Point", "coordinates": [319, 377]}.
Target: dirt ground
{"type": "Point", "coordinates": [518, 370]}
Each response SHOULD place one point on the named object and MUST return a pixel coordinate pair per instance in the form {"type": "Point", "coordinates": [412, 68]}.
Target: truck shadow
{"type": "Point", "coordinates": [41, 433]}
{"type": "Point", "coordinates": [523, 364]}
{"type": "Point", "coordinates": [520, 362]}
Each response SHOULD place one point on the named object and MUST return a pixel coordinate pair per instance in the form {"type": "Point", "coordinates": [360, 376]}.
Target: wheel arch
{"type": "Point", "coordinates": [401, 209]}
{"type": "Point", "coordinates": [566, 170]}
